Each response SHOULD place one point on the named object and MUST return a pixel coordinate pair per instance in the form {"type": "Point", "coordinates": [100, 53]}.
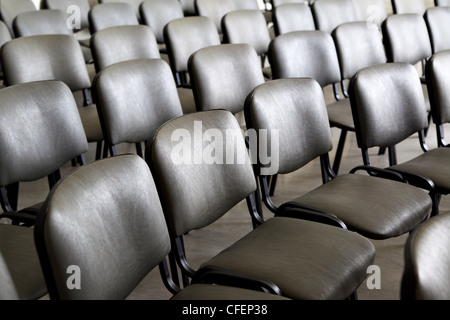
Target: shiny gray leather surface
{"type": "Point", "coordinates": [224, 75]}
{"type": "Point", "coordinates": [406, 38]}
{"type": "Point", "coordinates": [427, 261]}
{"type": "Point", "coordinates": [310, 54]}
{"type": "Point", "coordinates": [300, 260]}
{"type": "Point", "coordinates": [439, 79]}
{"type": "Point", "coordinates": [121, 43]}
{"type": "Point", "coordinates": [307, 133]}
{"type": "Point", "coordinates": [40, 130]}
{"type": "Point", "coordinates": [358, 46]}
{"type": "Point", "coordinates": [41, 22]}
{"type": "Point", "coordinates": [64, 5]}
{"type": "Point", "coordinates": [11, 8]}
{"type": "Point", "coordinates": [112, 14]}
{"type": "Point", "coordinates": [186, 35]}
{"type": "Point", "coordinates": [136, 97]}
{"type": "Point", "coordinates": [438, 23]}
{"type": "Point", "coordinates": [195, 195]}
{"type": "Point", "coordinates": [247, 26]}
{"type": "Point", "coordinates": [157, 13]}
{"type": "Point", "coordinates": [45, 57]}
{"type": "Point", "coordinates": [293, 17]}
{"type": "Point", "coordinates": [328, 14]}
{"type": "Point", "coordinates": [408, 6]}
{"type": "Point", "coordinates": [390, 104]}
{"type": "Point", "coordinates": [20, 270]}
{"type": "Point", "coordinates": [106, 219]}
{"type": "Point", "coordinates": [215, 9]}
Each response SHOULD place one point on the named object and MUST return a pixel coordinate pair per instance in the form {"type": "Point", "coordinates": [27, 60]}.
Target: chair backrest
{"type": "Point", "coordinates": [427, 261]}
{"type": "Point", "coordinates": [105, 15]}
{"type": "Point", "coordinates": [188, 7]}
{"type": "Point", "coordinates": [109, 250]}
{"type": "Point", "coordinates": [122, 43]}
{"type": "Point", "coordinates": [388, 104]}
{"type": "Point", "coordinates": [328, 14]}
{"type": "Point", "coordinates": [246, 5]}
{"type": "Point", "coordinates": [41, 22]}
{"type": "Point", "coordinates": [296, 109]}
{"type": "Point", "coordinates": [247, 26]}
{"type": "Point", "coordinates": [442, 3]}
{"type": "Point", "coordinates": [408, 6]}
{"type": "Point", "coordinates": [318, 59]}
{"type": "Point", "coordinates": [406, 38]}
{"type": "Point", "coordinates": [157, 13]}
{"type": "Point", "coordinates": [358, 47]}
{"type": "Point", "coordinates": [438, 23]}
{"type": "Point", "coordinates": [372, 11]}
{"type": "Point", "coordinates": [185, 36]}
{"type": "Point", "coordinates": [292, 17]}
{"type": "Point", "coordinates": [5, 36]}
{"type": "Point", "coordinates": [10, 9]}
{"type": "Point", "coordinates": [198, 185]}
{"type": "Point", "coordinates": [45, 57]}
{"type": "Point", "coordinates": [222, 76]}
{"type": "Point", "coordinates": [438, 81]}
{"type": "Point", "coordinates": [41, 130]}
{"type": "Point", "coordinates": [133, 3]}
{"type": "Point", "coordinates": [135, 98]}
{"type": "Point", "coordinates": [74, 9]}
{"type": "Point", "coordinates": [276, 3]}
{"type": "Point", "coordinates": [215, 9]}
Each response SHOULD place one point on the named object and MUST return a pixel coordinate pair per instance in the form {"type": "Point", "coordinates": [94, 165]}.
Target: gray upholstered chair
{"type": "Point", "coordinates": [105, 15]}
{"type": "Point", "coordinates": [5, 36]}
{"type": "Point", "coordinates": [188, 7]}
{"type": "Point", "coordinates": [328, 14]}
{"type": "Point", "coordinates": [438, 24]}
{"type": "Point", "coordinates": [408, 6]}
{"type": "Point", "coordinates": [121, 191]}
{"type": "Point", "coordinates": [248, 26]}
{"type": "Point", "coordinates": [223, 75]}
{"type": "Point", "coordinates": [298, 255]}
{"type": "Point", "coordinates": [41, 130]}
{"type": "Point", "coordinates": [157, 13]}
{"type": "Point", "coordinates": [292, 17]}
{"type": "Point", "coordinates": [246, 5]}
{"type": "Point", "coordinates": [10, 9]}
{"type": "Point", "coordinates": [293, 115]}
{"type": "Point", "coordinates": [41, 22]}
{"type": "Point", "coordinates": [276, 3]}
{"type": "Point", "coordinates": [133, 3]}
{"type": "Point", "coordinates": [122, 43]}
{"type": "Point", "coordinates": [437, 72]}
{"type": "Point", "coordinates": [372, 11]}
{"type": "Point", "coordinates": [388, 107]}
{"type": "Point", "coordinates": [53, 57]}
{"type": "Point", "coordinates": [319, 60]}
{"type": "Point", "coordinates": [214, 9]}
{"type": "Point", "coordinates": [134, 98]}
{"type": "Point", "coordinates": [427, 261]}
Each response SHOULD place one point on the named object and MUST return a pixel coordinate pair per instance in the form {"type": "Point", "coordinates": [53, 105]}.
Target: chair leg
{"type": "Point", "coordinates": [273, 184]}
{"type": "Point", "coordinates": [339, 151]}
{"type": "Point", "coordinates": [98, 151]}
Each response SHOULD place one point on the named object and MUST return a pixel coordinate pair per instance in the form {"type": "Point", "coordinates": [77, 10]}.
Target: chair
{"type": "Point", "coordinates": [438, 25]}
{"type": "Point", "coordinates": [105, 15]}
{"type": "Point", "coordinates": [214, 9]}
{"type": "Point", "coordinates": [374, 12]}
{"type": "Point", "coordinates": [5, 36]}
{"type": "Point", "coordinates": [122, 43]}
{"type": "Point", "coordinates": [10, 9]}
{"type": "Point", "coordinates": [129, 250]}
{"type": "Point", "coordinates": [157, 13]}
{"type": "Point", "coordinates": [198, 183]}
{"type": "Point", "coordinates": [426, 270]}
{"type": "Point", "coordinates": [222, 76]}
{"type": "Point", "coordinates": [246, 5]}
{"type": "Point", "coordinates": [318, 60]}
{"type": "Point", "coordinates": [408, 6]}
{"type": "Point", "coordinates": [133, 3]}
{"type": "Point", "coordinates": [292, 114]}
{"type": "Point", "coordinates": [328, 14]}
{"type": "Point", "coordinates": [276, 3]}
{"type": "Point", "coordinates": [53, 57]}
{"type": "Point", "coordinates": [437, 73]}
{"type": "Point", "coordinates": [292, 17]}
{"type": "Point", "coordinates": [42, 131]}
{"type": "Point", "coordinates": [248, 26]}
{"type": "Point", "coordinates": [134, 98]}
{"type": "Point", "coordinates": [389, 106]}
{"type": "Point", "coordinates": [188, 7]}
{"type": "Point", "coordinates": [41, 22]}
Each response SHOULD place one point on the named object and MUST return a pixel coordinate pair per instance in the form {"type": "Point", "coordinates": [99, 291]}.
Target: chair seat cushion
{"type": "Point", "coordinates": [21, 267]}
{"type": "Point", "coordinates": [374, 207]}
{"type": "Point", "coordinates": [433, 164]}
{"type": "Point", "coordinates": [91, 123]}
{"type": "Point", "coordinates": [219, 292]}
{"type": "Point", "coordinates": [306, 260]}
{"type": "Point", "coordinates": [340, 114]}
